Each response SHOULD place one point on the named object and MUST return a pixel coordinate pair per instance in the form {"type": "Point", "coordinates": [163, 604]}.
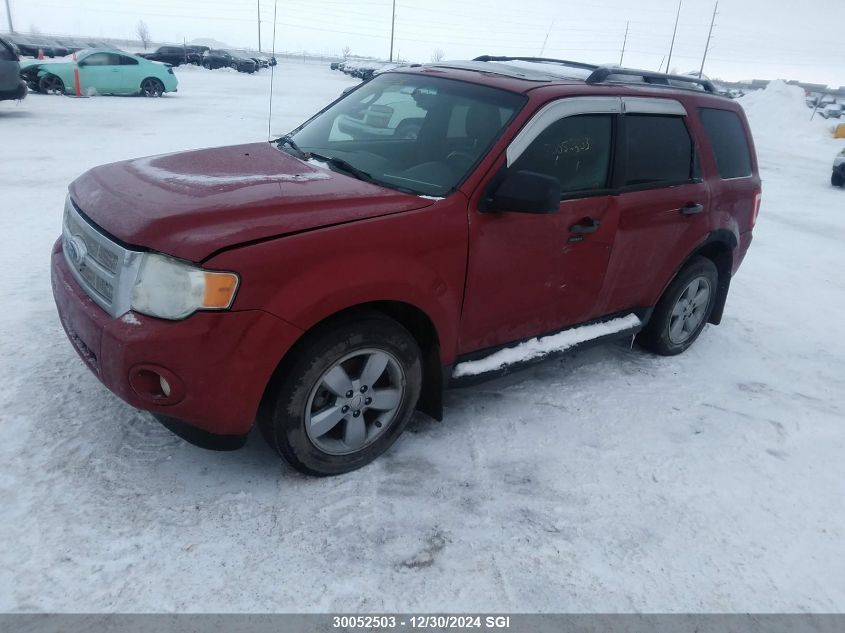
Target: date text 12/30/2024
{"type": "Point", "coordinates": [387, 622]}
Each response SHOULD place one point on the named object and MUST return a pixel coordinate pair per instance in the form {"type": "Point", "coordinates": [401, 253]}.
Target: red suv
{"type": "Point", "coordinates": [438, 224]}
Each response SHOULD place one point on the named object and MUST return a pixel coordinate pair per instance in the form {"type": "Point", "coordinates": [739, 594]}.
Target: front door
{"type": "Point", "coordinates": [101, 72]}
{"type": "Point", "coordinates": [532, 274]}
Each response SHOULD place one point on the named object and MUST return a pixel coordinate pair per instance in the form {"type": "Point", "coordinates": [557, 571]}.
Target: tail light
{"type": "Point", "coordinates": [758, 198]}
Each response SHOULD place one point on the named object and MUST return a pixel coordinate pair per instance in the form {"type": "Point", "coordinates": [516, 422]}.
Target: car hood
{"type": "Point", "coordinates": [192, 204]}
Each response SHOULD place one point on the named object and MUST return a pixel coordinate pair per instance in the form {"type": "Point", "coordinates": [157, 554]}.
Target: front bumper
{"type": "Point", "coordinates": [17, 93]}
{"type": "Point", "coordinates": [217, 363]}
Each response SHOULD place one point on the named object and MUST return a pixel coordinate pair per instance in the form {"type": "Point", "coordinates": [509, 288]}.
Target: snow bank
{"type": "Point", "coordinates": [537, 347]}
{"type": "Point", "coordinates": [780, 116]}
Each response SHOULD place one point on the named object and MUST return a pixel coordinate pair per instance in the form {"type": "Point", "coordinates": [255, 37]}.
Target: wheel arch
{"type": "Point", "coordinates": [718, 247]}
{"type": "Point", "coordinates": [412, 318]}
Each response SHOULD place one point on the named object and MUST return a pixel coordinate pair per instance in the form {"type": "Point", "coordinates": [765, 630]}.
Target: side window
{"type": "Point", "coordinates": [102, 59]}
{"type": "Point", "coordinates": [575, 150]}
{"type": "Point", "coordinates": [128, 61]}
{"type": "Point", "coordinates": [727, 136]}
{"type": "Point", "coordinates": [658, 150]}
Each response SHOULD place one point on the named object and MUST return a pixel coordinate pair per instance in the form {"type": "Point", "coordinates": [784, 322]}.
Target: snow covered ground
{"type": "Point", "coordinates": [611, 480]}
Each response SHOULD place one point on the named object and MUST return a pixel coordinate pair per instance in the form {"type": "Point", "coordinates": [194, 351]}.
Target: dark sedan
{"type": "Point", "coordinates": [175, 55]}
{"type": "Point", "coordinates": [11, 85]}
{"type": "Point", "coordinates": [229, 59]}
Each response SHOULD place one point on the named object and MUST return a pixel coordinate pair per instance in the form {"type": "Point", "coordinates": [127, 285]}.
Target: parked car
{"type": "Point", "coordinates": [326, 286]}
{"type": "Point", "coordinates": [831, 111]}
{"type": "Point", "coordinates": [229, 59]}
{"type": "Point", "coordinates": [101, 71]}
{"type": "Point", "coordinates": [11, 85]}
{"type": "Point", "coordinates": [334, 65]}
{"type": "Point", "coordinates": [175, 55]}
{"type": "Point", "coordinates": [837, 178]}
{"type": "Point", "coordinates": [71, 45]}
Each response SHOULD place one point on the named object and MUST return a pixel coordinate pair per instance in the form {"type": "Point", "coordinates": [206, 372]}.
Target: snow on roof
{"type": "Point", "coordinates": [548, 68]}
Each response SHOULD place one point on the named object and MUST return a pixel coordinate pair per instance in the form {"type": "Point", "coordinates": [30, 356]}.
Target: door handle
{"type": "Point", "coordinates": [587, 225]}
{"type": "Point", "coordinates": [691, 209]}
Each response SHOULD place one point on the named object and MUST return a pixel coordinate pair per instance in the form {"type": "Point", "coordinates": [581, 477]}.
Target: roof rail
{"type": "Point", "coordinates": [601, 74]}
{"type": "Point", "coordinates": [604, 73]}
{"type": "Point", "coordinates": [548, 60]}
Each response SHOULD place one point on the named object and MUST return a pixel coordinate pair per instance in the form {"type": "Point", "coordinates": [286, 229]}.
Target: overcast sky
{"type": "Point", "coordinates": [752, 39]}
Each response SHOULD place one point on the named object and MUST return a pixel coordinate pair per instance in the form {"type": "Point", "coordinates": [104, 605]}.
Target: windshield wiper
{"type": "Point", "coordinates": [287, 139]}
{"type": "Point", "coordinates": [344, 166]}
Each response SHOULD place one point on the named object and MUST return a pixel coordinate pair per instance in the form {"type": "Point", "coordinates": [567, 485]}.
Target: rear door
{"type": "Point", "coordinates": [662, 202]}
{"type": "Point", "coordinates": [532, 274]}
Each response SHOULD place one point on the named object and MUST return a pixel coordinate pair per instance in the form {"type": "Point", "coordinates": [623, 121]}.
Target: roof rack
{"type": "Point", "coordinates": [604, 73]}
{"type": "Point", "coordinates": [607, 74]}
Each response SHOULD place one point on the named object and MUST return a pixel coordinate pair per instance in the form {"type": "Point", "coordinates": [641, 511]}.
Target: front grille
{"type": "Point", "coordinates": [104, 269]}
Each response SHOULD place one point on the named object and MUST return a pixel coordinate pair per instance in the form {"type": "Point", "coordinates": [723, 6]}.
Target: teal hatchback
{"type": "Point", "coordinates": [101, 71]}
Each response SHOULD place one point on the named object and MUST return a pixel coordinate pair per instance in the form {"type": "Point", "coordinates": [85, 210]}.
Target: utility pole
{"type": "Point", "coordinates": [707, 48]}
{"type": "Point", "coordinates": [259, 25]}
{"type": "Point", "coordinates": [9, 16]}
{"type": "Point", "coordinates": [392, 29]}
{"type": "Point", "coordinates": [624, 42]}
{"type": "Point", "coordinates": [672, 46]}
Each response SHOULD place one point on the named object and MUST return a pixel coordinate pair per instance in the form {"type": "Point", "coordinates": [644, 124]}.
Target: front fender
{"type": "Point", "coordinates": [414, 257]}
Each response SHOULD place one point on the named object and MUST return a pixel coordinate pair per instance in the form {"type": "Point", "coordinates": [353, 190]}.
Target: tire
{"type": "Point", "coordinates": [206, 65]}
{"type": "Point", "coordinates": [233, 66]}
{"type": "Point", "coordinates": [837, 178]}
{"type": "Point", "coordinates": [314, 385]}
{"type": "Point", "coordinates": [679, 317]}
{"type": "Point", "coordinates": [152, 88]}
{"type": "Point", "coordinates": [51, 84]}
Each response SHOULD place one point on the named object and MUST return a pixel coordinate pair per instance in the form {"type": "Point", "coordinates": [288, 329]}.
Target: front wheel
{"type": "Point", "coordinates": [152, 87]}
{"type": "Point", "coordinates": [837, 178]}
{"type": "Point", "coordinates": [683, 310]}
{"type": "Point", "coordinates": [51, 85]}
{"type": "Point", "coordinates": [344, 396]}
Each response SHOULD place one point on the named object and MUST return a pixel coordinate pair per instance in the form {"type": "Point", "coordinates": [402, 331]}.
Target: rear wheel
{"type": "Point", "coordinates": [233, 66]}
{"type": "Point", "coordinates": [51, 85]}
{"type": "Point", "coordinates": [683, 310]}
{"type": "Point", "coordinates": [344, 396]}
{"type": "Point", "coordinates": [152, 87]}
{"type": "Point", "coordinates": [837, 178]}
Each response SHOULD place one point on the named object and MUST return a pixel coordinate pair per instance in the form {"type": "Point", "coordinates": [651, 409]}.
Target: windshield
{"type": "Point", "coordinates": [411, 132]}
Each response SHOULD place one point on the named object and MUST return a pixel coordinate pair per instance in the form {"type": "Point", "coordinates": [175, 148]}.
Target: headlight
{"type": "Point", "coordinates": [170, 289]}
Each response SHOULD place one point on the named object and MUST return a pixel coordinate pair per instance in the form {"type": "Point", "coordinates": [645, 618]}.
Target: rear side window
{"type": "Point", "coordinates": [575, 150]}
{"type": "Point", "coordinates": [658, 150]}
{"type": "Point", "coordinates": [128, 61]}
{"type": "Point", "coordinates": [727, 136]}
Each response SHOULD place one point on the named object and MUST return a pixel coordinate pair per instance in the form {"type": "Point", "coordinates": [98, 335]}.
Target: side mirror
{"type": "Point", "coordinates": [525, 192]}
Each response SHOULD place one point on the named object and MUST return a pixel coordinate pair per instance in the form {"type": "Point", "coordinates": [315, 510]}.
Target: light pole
{"type": "Point", "coordinates": [624, 42]}
{"type": "Point", "coordinates": [392, 28]}
{"type": "Point", "coordinates": [9, 16]}
{"type": "Point", "coordinates": [259, 25]}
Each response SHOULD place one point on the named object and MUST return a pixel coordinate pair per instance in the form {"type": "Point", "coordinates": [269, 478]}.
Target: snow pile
{"type": "Point", "coordinates": [538, 347]}
{"type": "Point", "coordinates": [780, 116]}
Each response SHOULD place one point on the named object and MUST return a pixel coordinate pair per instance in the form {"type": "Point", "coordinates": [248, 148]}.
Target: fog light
{"type": "Point", "coordinates": [165, 386]}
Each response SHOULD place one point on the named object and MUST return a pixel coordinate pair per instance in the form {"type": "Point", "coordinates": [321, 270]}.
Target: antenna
{"type": "Point", "coordinates": [546, 39]}
{"type": "Point", "coordinates": [272, 72]}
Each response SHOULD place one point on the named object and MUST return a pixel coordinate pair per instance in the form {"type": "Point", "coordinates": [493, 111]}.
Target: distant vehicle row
{"type": "Point", "coordinates": [240, 60]}
{"type": "Point", "coordinates": [362, 69]}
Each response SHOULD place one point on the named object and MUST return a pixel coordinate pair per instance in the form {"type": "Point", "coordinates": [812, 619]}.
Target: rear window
{"type": "Point", "coordinates": [727, 136]}
{"type": "Point", "coordinates": [659, 150]}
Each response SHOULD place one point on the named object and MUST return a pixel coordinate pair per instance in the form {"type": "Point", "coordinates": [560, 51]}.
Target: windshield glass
{"type": "Point", "coordinates": [411, 132]}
